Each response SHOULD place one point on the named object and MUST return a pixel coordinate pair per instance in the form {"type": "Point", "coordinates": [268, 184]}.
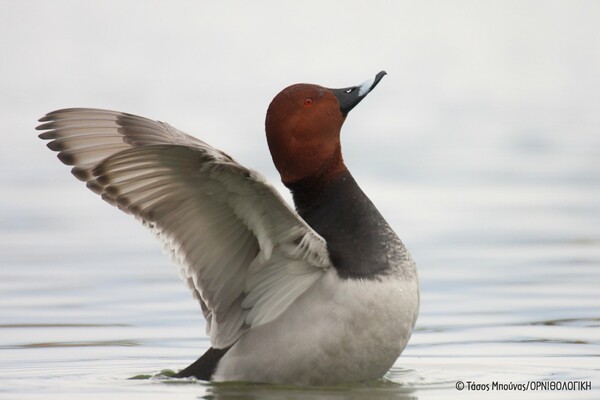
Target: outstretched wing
{"type": "Point", "coordinates": [245, 254]}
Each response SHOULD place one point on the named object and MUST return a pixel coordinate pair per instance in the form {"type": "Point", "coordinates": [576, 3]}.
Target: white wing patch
{"type": "Point", "coordinates": [244, 253]}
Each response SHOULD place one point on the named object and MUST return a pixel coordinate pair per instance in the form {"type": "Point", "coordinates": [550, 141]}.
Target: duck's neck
{"type": "Point", "coordinates": [360, 242]}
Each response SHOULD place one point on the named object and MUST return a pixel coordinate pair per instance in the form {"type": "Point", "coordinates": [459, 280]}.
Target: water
{"type": "Point", "coordinates": [480, 148]}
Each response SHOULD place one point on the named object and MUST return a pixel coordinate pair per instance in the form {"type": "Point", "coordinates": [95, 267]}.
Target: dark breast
{"type": "Point", "coordinates": [361, 244]}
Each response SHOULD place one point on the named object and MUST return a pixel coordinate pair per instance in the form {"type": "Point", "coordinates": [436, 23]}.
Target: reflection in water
{"type": "Point", "coordinates": [387, 388]}
{"type": "Point", "coordinates": [374, 390]}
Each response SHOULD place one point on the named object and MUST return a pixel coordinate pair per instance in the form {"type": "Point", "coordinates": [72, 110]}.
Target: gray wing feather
{"type": "Point", "coordinates": [244, 253]}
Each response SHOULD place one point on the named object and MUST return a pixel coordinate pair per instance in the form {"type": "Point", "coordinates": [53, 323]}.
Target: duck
{"type": "Point", "coordinates": [320, 293]}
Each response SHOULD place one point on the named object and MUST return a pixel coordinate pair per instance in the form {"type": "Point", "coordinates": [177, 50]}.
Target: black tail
{"type": "Point", "coordinates": [204, 367]}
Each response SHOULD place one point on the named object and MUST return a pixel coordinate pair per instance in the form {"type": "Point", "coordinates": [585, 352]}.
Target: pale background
{"type": "Point", "coordinates": [481, 147]}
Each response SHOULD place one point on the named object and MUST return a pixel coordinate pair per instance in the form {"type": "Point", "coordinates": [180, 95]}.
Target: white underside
{"type": "Point", "coordinates": [338, 331]}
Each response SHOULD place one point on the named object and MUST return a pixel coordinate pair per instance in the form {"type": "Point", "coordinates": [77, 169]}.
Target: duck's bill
{"type": "Point", "coordinates": [349, 97]}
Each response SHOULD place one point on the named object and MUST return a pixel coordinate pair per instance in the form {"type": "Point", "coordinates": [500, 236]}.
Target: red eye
{"type": "Point", "coordinates": [308, 101]}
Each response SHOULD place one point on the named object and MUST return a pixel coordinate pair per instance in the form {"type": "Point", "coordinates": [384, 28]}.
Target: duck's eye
{"type": "Point", "coordinates": [308, 101]}
{"type": "Point", "coordinates": [350, 90]}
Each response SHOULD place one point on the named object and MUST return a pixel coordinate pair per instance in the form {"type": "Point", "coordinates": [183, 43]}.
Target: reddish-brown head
{"type": "Point", "coordinates": [303, 129]}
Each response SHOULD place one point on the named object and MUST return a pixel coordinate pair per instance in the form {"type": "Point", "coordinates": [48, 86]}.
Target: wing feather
{"type": "Point", "coordinates": [244, 253]}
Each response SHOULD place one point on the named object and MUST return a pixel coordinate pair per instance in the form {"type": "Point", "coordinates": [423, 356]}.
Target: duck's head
{"type": "Point", "coordinates": [303, 129]}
